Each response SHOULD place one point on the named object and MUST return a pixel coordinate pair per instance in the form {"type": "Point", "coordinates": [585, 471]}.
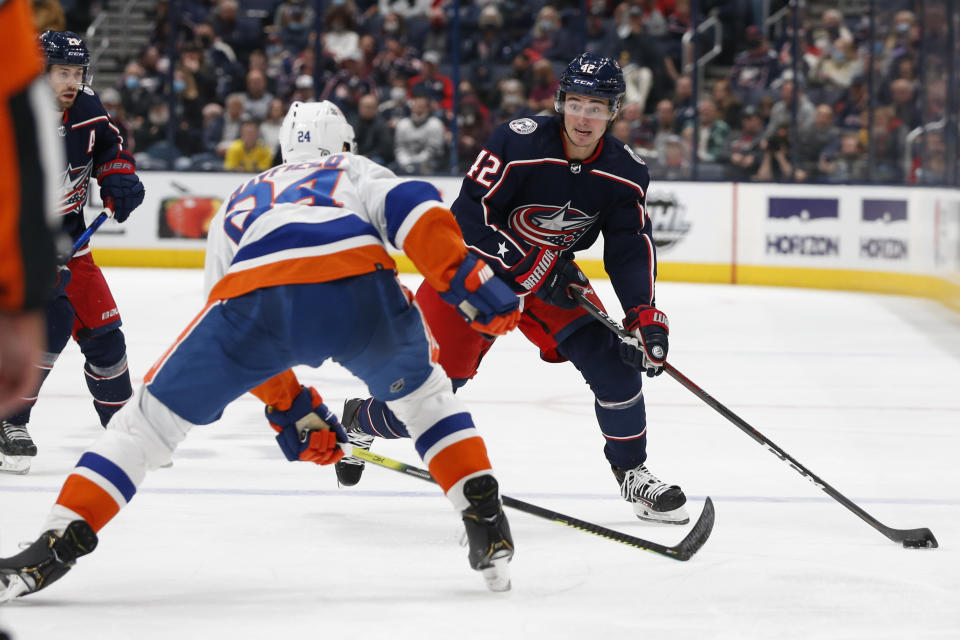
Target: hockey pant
{"type": "Point", "coordinates": [365, 323]}
{"type": "Point", "coordinates": [89, 313]}
{"type": "Point", "coordinates": [561, 334]}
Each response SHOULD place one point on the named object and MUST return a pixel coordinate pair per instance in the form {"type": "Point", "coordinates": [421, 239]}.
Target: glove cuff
{"type": "Point", "coordinates": [533, 273]}
{"type": "Point", "coordinates": [122, 164]}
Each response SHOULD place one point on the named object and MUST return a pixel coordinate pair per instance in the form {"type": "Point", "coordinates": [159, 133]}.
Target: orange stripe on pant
{"type": "Point", "coordinates": [166, 354]}
{"type": "Point", "coordinates": [88, 500]}
{"type": "Point", "coordinates": [460, 459]}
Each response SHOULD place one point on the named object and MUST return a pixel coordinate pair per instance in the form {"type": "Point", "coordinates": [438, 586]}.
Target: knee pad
{"type": "Point", "coordinates": [106, 373]}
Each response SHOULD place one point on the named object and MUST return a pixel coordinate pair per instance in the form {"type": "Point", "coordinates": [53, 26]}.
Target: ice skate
{"type": "Point", "coordinates": [46, 560]}
{"type": "Point", "coordinates": [653, 500]}
{"type": "Point", "coordinates": [488, 532]}
{"type": "Point", "coordinates": [16, 448]}
{"type": "Point", "coordinates": [349, 469]}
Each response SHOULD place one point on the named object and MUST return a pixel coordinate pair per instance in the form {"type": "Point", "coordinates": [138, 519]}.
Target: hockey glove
{"type": "Point", "coordinates": [482, 298]}
{"type": "Point", "coordinates": [547, 274]}
{"type": "Point", "coordinates": [647, 348]}
{"type": "Point", "coordinates": [120, 188]}
{"type": "Point", "coordinates": [308, 430]}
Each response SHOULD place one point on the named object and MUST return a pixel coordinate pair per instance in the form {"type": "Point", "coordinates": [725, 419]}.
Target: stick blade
{"type": "Point", "coordinates": [921, 538]}
{"type": "Point", "coordinates": [698, 535]}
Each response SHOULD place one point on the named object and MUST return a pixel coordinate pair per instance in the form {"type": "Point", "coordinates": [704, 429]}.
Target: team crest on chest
{"type": "Point", "coordinates": [523, 126]}
{"type": "Point", "coordinates": [550, 226]}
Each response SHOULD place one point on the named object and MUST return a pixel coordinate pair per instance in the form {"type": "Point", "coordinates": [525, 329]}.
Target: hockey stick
{"type": "Point", "coordinates": [85, 236]}
{"type": "Point", "coordinates": [684, 550]}
{"type": "Point", "coordinates": [910, 538]}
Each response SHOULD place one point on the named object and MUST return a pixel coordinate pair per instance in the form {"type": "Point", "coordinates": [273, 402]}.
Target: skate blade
{"type": "Point", "coordinates": [497, 576]}
{"type": "Point", "coordinates": [15, 464]}
{"type": "Point", "coordinates": [15, 586]}
{"type": "Point", "coordinates": [677, 516]}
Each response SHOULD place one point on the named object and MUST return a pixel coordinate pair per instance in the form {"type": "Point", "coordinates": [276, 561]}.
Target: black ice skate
{"type": "Point", "coordinates": [46, 560]}
{"type": "Point", "coordinates": [653, 500]}
{"type": "Point", "coordinates": [488, 532]}
{"type": "Point", "coordinates": [349, 469]}
{"type": "Point", "coordinates": [16, 448]}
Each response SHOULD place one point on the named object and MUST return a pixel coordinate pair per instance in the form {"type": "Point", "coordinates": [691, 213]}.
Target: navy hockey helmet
{"type": "Point", "coordinates": [595, 76]}
{"type": "Point", "coordinates": [65, 47]}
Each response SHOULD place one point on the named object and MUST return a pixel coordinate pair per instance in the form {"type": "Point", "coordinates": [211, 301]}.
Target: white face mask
{"type": "Point", "coordinates": [398, 93]}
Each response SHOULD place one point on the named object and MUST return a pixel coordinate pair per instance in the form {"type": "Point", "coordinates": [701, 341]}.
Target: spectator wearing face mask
{"type": "Point", "coordinates": [341, 40]}
{"type": "Point", "coordinates": [755, 68]}
{"type": "Point", "coordinates": [549, 38]}
{"type": "Point", "coordinates": [114, 106]}
{"type": "Point", "coordinates": [420, 140]}
{"type": "Point", "coordinates": [134, 96]}
{"type": "Point", "coordinates": [839, 67]}
{"type": "Point", "coordinates": [292, 23]}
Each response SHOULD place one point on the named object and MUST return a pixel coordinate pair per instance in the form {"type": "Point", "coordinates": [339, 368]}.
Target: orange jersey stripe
{"type": "Point", "coordinates": [166, 354]}
{"type": "Point", "coordinates": [305, 270]}
{"type": "Point", "coordinates": [460, 459]}
{"type": "Point", "coordinates": [88, 500]}
{"type": "Point", "coordinates": [435, 246]}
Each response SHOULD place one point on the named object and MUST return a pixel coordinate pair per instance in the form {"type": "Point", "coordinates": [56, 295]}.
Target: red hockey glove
{"type": "Point", "coordinates": [488, 304]}
{"type": "Point", "coordinates": [308, 430]}
{"type": "Point", "coordinates": [549, 275]}
{"type": "Point", "coordinates": [647, 349]}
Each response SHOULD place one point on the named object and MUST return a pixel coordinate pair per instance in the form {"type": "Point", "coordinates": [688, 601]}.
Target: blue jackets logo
{"type": "Point", "coordinates": [810, 220]}
{"type": "Point", "coordinates": [881, 222]}
{"type": "Point", "coordinates": [550, 226]}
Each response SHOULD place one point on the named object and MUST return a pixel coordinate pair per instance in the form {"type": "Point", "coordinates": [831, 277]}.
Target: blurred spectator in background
{"type": "Point", "coordinates": [837, 69]}
{"type": "Point", "coordinates": [420, 140]}
{"type": "Point", "coordinates": [373, 137]}
{"type": "Point", "coordinates": [782, 110]}
{"type": "Point", "coordinates": [114, 105]}
{"type": "Point", "coordinates": [292, 23]}
{"type": "Point", "coordinates": [728, 105]}
{"type": "Point", "coordinates": [665, 126]}
{"type": "Point", "coordinates": [852, 103]}
{"type": "Point", "coordinates": [904, 103]}
{"type": "Point", "coordinates": [755, 68]}
{"type": "Point", "coordinates": [813, 140]}
{"type": "Point", "coordinates": [134, 97]}
{"type": "Point", "coordinates": [674, 164]}
{"type": "Point", "coordinates": [474, 127]}
{"type": "Point", "coordinates": [48, 14]}
{"type": "Point", "coordinates": [194, 63]}
{"type": "Point", "coordinates": [212, 129]}
{"type": "Point", "coordinates": [643, 63]}
{"type": "Point", "coordinates": [431, 83]}
{"type": "Point", "coordinates": [846, 164]}
{"type": "Point", "coordinates": [436, 38]}
{"type": "Point", "coordinates": [684, 106]}
{"type": "Point", "coordinates": [395, 107]}
{"type": "Point", "coordinates": [243, 35]}
{"type": "Point", "coordinates": [745, 151]}
{"type": "Point", "coordinates": [232, 118]}
{"type": "Point", "coordinates": [714, 134]}
{"type": "Point", "coordinates": [886, 137]}
{"type": "Point", "coordinates": [601, 37]}
{"type": "Point", "coordinates": [347, 85]}
{"type": "Point", "coordinates": [256, 99]}
{"type": "Point", "coordinates": [405, 8]}
{"type": "Point", "coordinates": [513, 103]}
{"type": "Point", "coordinates": [775, 164]}
{"type": "Point", "coordinates": [248, 152]}
{"type": "Point", "coordinates": [340, 39]}
{"type": "Point", "coordinates": [549, 38]}
{"type": "Point", "coordinates": [270, 128]}
{"type": "Point", "coordinates": [489, 44]}
{"type": "Point", "coordinates": [544, 88]}
{"type": "Point", "coordinates": [931, 168]}
{"type": "Point", "coordinates": [303, 89]}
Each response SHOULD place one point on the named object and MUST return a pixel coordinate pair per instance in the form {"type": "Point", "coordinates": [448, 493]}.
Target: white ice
{"type": "Point", "coordinates": [234, 542]}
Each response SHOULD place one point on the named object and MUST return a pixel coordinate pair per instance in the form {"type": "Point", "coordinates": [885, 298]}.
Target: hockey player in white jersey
{"type": "Point", "coordinates": [297, 273]}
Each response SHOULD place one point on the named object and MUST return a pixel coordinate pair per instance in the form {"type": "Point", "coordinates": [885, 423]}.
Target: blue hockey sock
{"type": "Point", "coordinates": [376, 419]}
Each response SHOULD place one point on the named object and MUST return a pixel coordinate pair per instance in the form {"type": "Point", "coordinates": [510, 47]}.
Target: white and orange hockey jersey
{"type": "Point", "coordinates": [325, 220]}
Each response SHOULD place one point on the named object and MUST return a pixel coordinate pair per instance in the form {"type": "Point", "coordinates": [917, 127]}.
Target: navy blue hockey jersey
{"type": "Point", "coordinates": [523, 194]}
{"type": "Point", "coordinates": [92, 140]}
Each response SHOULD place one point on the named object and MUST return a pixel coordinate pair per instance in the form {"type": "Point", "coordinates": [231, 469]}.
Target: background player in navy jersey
{"type": "Point", "coordinates": [85, 309]}
{"type": "Point", "coordinates": [541, 189]}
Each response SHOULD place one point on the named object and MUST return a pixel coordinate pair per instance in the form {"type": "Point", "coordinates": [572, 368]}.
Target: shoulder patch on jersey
{"type": "Point", "coordinates": [523, 126]}
{"type": "Point", "coordinates": [633, 154]}
{"type": "Point", "coordinates": [87, 90]}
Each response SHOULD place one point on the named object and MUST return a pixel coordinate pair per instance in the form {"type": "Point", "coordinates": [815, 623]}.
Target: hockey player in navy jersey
{"type": "Point", "coordinates": [540, 190]}
{"type": "Point", "coordinates": [85, 307]}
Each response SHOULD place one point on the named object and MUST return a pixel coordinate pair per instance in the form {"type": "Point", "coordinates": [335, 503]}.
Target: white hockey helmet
{"type": "Point", "coordinates": [311, 130]}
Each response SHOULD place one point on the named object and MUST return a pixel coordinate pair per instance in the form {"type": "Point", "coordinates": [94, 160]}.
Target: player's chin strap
{"type": "Point", "coordinates": [684, 550]}
{"type": "Point", "coordinates": [910, 538]}
{"type": "Point", "coordinates": [85, 236]}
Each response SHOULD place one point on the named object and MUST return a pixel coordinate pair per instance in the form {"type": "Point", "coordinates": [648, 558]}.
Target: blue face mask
{"type": "Point", "coordinates": [839, 56]}
{"type": "Point", "coordinates": [132, 82]}
{"type": "Point", "coordinates": [179, 86]}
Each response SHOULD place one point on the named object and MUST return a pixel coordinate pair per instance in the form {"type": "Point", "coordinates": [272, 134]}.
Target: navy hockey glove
{"type": "Point", "coordinates": [647, 349]}
{"type": "Point", "coordinates": [488, 304]}
{"type": "Point", "coordinates": [308, 430]}
{"type": "Point", "coordinates": [120, 188]}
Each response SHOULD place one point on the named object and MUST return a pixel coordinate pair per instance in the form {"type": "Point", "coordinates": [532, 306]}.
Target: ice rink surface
{"type": "Point", "coordinates": [234, 542]}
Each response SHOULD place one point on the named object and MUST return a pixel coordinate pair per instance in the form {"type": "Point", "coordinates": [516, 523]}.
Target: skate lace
{"type": "Point", "coordinates": [360, 439]}
{"type": "Point", "coordinates": [15, 432]}
{"type": "Point", "coordinates": [641, 482]}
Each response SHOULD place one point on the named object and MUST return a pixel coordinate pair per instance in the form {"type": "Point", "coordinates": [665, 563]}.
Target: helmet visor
{"type": "Point", "coordinates": [585, 106]}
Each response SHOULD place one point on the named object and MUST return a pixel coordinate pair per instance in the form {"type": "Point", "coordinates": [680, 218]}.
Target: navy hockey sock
{"type": "Point", "coordinates": [376, 419]}
{"type": "Point", "coordinates": [106, 372]}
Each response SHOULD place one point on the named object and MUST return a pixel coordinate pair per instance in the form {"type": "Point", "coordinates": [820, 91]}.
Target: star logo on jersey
{"type": "Point", "coordinates": [73, 188]}
{"type": "Point", "coordinates": [549, 226]}
{"type": "Point", "coordinates": [502, 249]}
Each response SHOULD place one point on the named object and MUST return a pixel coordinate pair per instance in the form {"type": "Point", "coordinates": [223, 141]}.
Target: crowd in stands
{"type": "Point", "coordinates": [388, 65]}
